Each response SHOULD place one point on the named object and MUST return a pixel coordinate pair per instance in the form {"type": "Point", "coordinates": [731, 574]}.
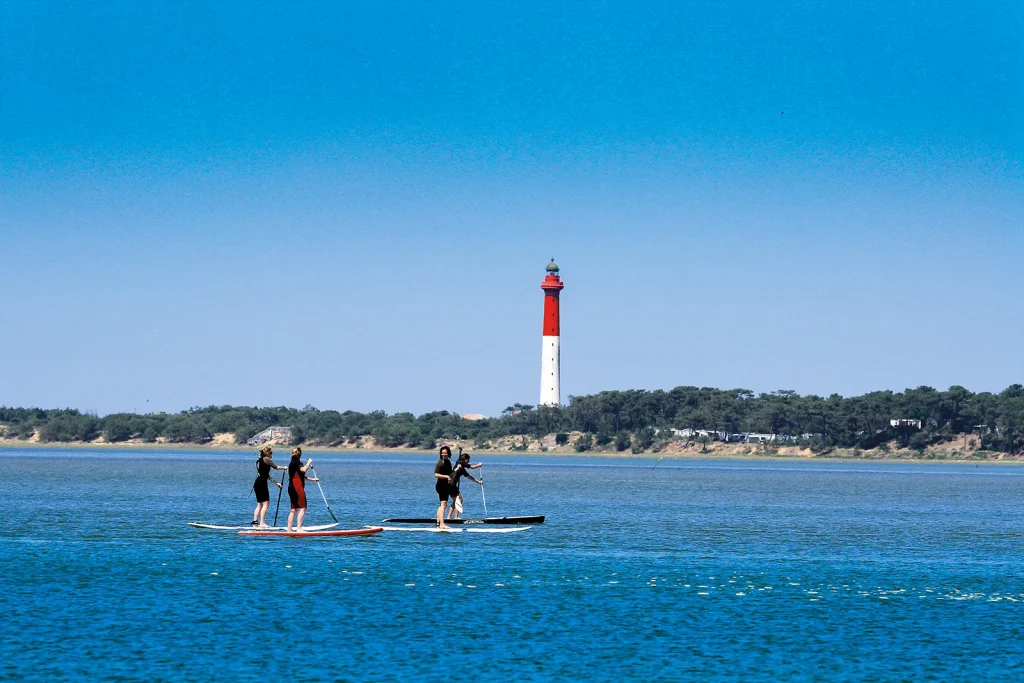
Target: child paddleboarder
{"type": "Point", "coordinates": [297, 488]}
{"type": "Point", "coordinates": [458, 472]}
{"type": "Point", "coordinates": [264, 464]}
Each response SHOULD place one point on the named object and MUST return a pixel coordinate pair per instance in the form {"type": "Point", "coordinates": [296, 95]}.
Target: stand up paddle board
{"type": "Point", "coordinates": [217, 527]}
{"type": "Point", "coordinates": [539, 519]}
{"type": "Point", "coordinates": [315, 534]}
{"type": "Point", "coordinates": [472, 530]}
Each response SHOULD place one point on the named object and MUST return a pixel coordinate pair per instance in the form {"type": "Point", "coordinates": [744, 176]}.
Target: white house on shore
{"type": "Point", "coordinates": [270, 434]}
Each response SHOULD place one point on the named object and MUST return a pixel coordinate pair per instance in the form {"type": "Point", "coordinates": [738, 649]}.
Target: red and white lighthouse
{"type": "Point", "coordinates": [549, 361]}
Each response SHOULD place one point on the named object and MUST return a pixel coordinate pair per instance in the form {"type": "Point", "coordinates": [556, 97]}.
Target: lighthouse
{"type": "Point", "coordinates": [550, 393]}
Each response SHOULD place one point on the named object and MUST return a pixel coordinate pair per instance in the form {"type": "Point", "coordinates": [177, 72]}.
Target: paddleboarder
{"type": "Point", "coordinates": [458, 472]}
{"type": "Point", "coordinates": [442, 482]}
{"type": "Point", "coordinates": [297, 488]}
{"type": "Point", "coordinates": [264, 464]}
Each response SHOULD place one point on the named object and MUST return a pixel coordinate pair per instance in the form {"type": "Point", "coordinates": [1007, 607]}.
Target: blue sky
{"type": "Point", "coordinates": [351, 205]}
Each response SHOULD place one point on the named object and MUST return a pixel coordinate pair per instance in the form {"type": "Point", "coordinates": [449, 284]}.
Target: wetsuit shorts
{"type": "Point", "coordinates": [297, 498]}
{"type": "Point", "coordinates": [442, 490]}
{"type": "Point", "coordinates": [261, 489]}
{"type": "Point", "coordinates": [453, 492]}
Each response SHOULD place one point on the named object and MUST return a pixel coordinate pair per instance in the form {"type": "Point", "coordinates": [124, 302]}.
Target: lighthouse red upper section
{"type": "Point", "coordinates": [551, 285]}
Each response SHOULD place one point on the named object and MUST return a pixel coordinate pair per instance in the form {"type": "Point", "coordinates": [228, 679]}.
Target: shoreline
{"type": "Point", "coordinates": [834, 456]}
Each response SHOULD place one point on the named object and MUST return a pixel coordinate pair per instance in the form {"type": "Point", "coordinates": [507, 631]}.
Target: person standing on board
{"type": "Point", "coordinates": [264, 464]}
{"type": "Point", "coordinates": [442, 482]}
{"type": "Point", "coordinates": [457, 474]}
{"type": "Point", "coordinates": [297, 488]}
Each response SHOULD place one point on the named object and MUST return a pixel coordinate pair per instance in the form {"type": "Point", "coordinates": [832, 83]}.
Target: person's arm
{"type": "Point", "coordinates": [309, 463]}
{"type": "Point", "coordinates": [474, 466]}
{"type": "Point", "coordinates": [469, 476]}
{"type": "Point", "coordinates": [438, 475]}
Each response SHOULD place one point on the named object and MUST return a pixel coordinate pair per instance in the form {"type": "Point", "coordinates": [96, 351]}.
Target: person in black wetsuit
{"type": "Point", "coordinates": [297, 488]}
{"type": "Point", "coordinates": [458, 472]}
{"type": "Point", "coordinates": [264, 464]}
{"type": "Point", "coordinates": [442, 482]}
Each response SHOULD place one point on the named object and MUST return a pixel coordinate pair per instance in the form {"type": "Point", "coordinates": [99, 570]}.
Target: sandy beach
{"type": "Point", "coordinates": [514, 446]}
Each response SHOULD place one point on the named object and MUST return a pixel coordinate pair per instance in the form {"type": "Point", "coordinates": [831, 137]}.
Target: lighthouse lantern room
{"type": "Point", "coordinates": [549, 380]}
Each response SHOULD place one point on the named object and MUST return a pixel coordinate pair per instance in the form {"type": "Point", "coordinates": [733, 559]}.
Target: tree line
{"type": "Point", "coordinates": [637, 419]}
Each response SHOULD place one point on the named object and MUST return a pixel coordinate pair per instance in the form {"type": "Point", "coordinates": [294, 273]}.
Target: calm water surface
{"type": "Point", "coordinates": [696, 570]}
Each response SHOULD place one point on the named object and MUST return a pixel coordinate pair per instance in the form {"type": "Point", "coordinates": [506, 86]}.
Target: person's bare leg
{"type": "Point", "coordinates": [263, 513]}
{"type": "Point", "coordinates": [256, 512]}
{"type": "Point", "coordinates": [440, 515]}
{"type": "Point", "coordinates": [291, 517]}
{"type": "Point", "coordinates": [302, 516]}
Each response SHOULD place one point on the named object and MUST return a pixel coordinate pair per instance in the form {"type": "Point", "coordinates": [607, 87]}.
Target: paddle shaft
{"type": "Point", "coordinates": [482, 494]}
{"type": "Point", "coordinates": [322, 493]}
{"type": "Point", "coordinates": [279, 491]}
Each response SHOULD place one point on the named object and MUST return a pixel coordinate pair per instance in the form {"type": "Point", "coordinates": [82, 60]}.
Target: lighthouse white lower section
{"type": "Point", "coordinates": [549, 361]}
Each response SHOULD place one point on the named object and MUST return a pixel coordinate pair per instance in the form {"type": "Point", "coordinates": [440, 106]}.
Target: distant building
{"type": "Point", "coordinates": [905, 422]}
{"type": "Point", "coordinates": [270, 434]}
{"type": "Point", "coordinates": [761, 438]}
{"type": "Point", "coordinates": [474, 416]}
{"type": "Point", "coordinates": [696, 433]}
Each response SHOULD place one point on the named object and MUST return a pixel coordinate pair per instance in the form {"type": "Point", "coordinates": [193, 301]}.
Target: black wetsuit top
{"type": "Point", "coordinates": [263, 467]}
{"type": "Point", "coordinates": [442, 467]}
{"type": "Point", "coordinates": [457, 473]}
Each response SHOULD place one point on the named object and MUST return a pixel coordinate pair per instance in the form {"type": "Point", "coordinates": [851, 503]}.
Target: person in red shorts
{"type": "Point", "coordinates": [297, 488]}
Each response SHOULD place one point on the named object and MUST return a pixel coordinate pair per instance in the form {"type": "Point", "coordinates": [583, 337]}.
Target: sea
{"type": "Point", "coordinates": [672, 570]}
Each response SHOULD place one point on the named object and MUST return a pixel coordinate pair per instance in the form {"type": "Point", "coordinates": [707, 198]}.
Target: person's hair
{"type": "Point", "coordinates": [265, 451]}
{"type": "Point", "coordinates": [464, 456]}
{"type": "Point", "coordinates": [296, 452]}
{"type": "Point", "coordinates": [443, 449]}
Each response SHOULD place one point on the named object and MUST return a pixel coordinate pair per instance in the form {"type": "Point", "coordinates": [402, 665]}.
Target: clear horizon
{"type": "Point", "coordinates": [351, 206]}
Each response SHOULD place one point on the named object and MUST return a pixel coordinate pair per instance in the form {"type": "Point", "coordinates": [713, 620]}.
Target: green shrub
{"type": "Point", "coordinates": [584, 443]}
{"type": "Point", "coordinates": [622, 441]}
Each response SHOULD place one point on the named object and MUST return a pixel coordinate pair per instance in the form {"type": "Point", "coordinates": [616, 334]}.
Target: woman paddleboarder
{"type": "Point", "coordinates": [297, 488]}
{"type": "Point", "coordinates": [442, 482]}
{"type": "Point", "coordinates": [457, 473]}
{"type": "Point", "coordinates": [264, 464]}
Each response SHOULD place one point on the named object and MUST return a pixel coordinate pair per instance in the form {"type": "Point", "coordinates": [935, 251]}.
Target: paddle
{"type": "Point", "coordinates": [283, 474]}
{"type": "Point", "coordinates": [322, 492]}
{"type": "Point", "coordinates": [484, 495]}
